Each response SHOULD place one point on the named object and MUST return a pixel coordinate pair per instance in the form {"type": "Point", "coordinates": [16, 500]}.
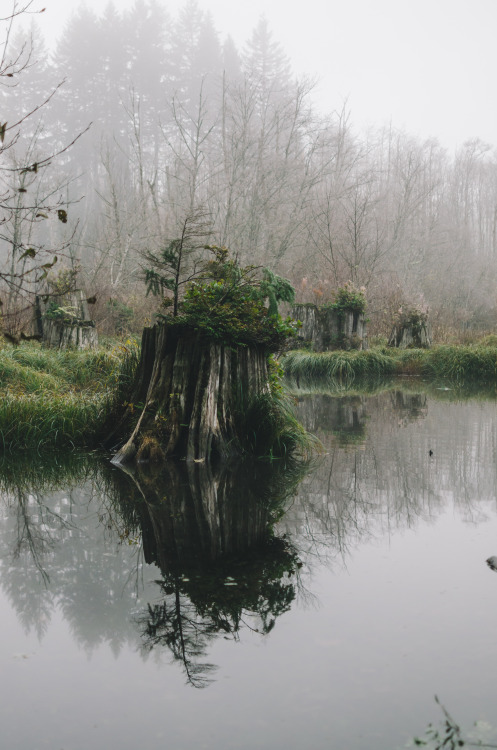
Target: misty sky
{"type": "Point", "coordinates": [425, 65]}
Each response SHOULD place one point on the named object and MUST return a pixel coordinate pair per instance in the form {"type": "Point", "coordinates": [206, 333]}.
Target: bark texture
{"type": "Point", "coordinates": [326, 330]}
{"type": "Point", "coordinates": [75, 329]}
{"type": "Point", "coordinates": [404, 336]}
{"type": "Point", "coordinates": [189, 390]}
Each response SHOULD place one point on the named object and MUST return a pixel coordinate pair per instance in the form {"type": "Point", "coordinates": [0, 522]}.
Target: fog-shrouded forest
{"type": "Point", "coordinates": [183, 120]}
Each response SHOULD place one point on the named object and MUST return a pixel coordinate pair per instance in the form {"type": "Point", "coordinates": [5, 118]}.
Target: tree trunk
{"type": "Point", "coordinates": [327, 329]}
{"type": "Point", "coordinates": [406, 336]}
{"type": "Point", "coordinates": [72, 330]}
{"type": "Point", "coordinates": [189, 390]}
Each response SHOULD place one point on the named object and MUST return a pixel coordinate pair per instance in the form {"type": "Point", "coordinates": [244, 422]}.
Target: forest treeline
{"type": "Point", "coordinates": [183, 120]}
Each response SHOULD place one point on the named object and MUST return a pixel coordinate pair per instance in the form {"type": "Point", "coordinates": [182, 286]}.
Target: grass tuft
{"type": "Point", "coordinates": [58, 399]}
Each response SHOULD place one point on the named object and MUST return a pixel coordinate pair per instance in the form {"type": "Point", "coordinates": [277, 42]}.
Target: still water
{"type": "Point", "coordinates": [151, 611]}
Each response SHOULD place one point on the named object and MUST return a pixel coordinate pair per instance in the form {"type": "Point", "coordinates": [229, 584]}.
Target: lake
{"type": "Point", "coordinates": [242, 608]}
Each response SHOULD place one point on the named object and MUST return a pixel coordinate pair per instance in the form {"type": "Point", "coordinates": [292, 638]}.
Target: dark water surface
{"type": "Point", "coordinates": [154, 611]}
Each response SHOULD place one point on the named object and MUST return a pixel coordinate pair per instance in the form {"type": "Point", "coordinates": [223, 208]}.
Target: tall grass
{"type": "Point", "coordinates": [268, 429]}
{"type": "Point", "coordinates": [59, 399]}
{"type": "Point", "coordinates": [459, 363]}
{"type": "Point", "coordinates": [337, 365]}
{"type": "Point", "coordinates": [452, 364]}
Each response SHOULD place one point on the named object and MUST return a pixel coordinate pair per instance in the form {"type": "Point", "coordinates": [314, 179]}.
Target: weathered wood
{"type": "Point", "coordinates": [191, 389]}
{"type": "Point", "coordinates": [326, 329]}
{"type": "Point", "coordinates": [409, 336]}
{"type": "Point", "coordinates": [76, 329]}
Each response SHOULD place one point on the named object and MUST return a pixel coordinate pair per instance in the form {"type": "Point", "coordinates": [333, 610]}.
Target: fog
{"type": "Point", "coordinates": [185, 116]}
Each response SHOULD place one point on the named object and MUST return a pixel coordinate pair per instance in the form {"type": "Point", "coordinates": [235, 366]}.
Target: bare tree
{"type": "Point", "coordinates": [24, 201]}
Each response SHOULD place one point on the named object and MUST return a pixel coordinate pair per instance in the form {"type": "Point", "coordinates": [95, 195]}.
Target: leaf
{"type": "Point", "coordinates": [62, 215]}
{"type": "Point", "coordinates": [41, 215]}
{"type": "Point", "coordinates": [22, 190]}
{"type": "Point", "coordinates": [3, 129]}
{"type": "Point", "coordinates": [29, 253]}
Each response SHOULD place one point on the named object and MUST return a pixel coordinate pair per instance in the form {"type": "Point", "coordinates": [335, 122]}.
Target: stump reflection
{"type": "Point", "coordinates": [210, 531]}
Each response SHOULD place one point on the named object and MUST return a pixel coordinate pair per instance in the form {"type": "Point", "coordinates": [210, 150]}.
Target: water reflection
{"type": "Point", "coordinates": [378, 474]}
{"type": "Point", "coordinates": [85, 551]}
{"type": "Point", "coordinates": [209, 532]}
{"type": "Point", "coordinates": [168, 560]}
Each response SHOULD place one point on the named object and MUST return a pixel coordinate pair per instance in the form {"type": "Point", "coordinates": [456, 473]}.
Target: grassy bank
{"type": "Point", "coordinates": [54, 398]}
{"type": "Point", "coordinates": [452, 364]}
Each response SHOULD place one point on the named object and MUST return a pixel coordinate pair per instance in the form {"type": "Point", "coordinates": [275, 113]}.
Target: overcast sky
{"type": "Point", "coordinates": [428, 66]}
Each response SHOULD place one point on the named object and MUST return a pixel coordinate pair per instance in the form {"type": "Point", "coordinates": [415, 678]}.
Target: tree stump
{"type": "Point", "coordinates": [410, 336]}
{"type": "Point", "coordinates": [189, 390]}
{"type": "Point", "coordinates": [64, 321]}
{"type": "Point", "coordinates": [327, 329]}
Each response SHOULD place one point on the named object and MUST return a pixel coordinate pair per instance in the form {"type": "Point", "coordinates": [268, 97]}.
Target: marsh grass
{"type": "Point", "coordinates": [449, 364]}
{"type": "Point", "coordinates": [337, 366]}
{"type": "Point", "coordinates": [269, 429]}
{"type": "Point", "coordinates": [459, 363]}
{"type": "Point", "coordinates": [60, 398]}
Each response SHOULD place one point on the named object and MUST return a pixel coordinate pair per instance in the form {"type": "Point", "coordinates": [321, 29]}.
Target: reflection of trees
{"type": "Point", "coordinates": [390, 480]}
{"type": "Point", "coordinates": [54, 552]}
{"type": "Point", "coordinates": [80, 538]}
{"type": "Point", "coordinates": [83, 550]}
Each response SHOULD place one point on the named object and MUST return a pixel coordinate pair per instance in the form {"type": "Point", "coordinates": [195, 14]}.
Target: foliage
{"type": "Point", "coordinates": [176, 263]}
{"type": "Point", "coordinates": [276, 290]}
{"type": "Point", "coordinates": [349, 298]}
{"type": "Point", "coordinates": [411, 316]}
{"type": "Point", "coordinates": [228, 303]}
{"type": "Point", "coordinates": [57, 312]}
{"type": "Point", "coordinates": [64, 281]}
{"type": "Point", "coordinates": [457, 363]}
{"type": "Point", "coordinates": [453, 364]}
{"type": "Point", "coordinates": [268, 429]}
{"type": "Point", "coordinates": [121, 314]}
{"type": "Point", "coordinates": [450, 736]}
{"type": "Point", "coordinates": [337, 365]}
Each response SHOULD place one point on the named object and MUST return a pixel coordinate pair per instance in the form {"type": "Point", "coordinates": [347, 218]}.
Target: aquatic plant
{"type": "Point", "coordinates": [457, 363]}
{"type": "Point", "coordinates": [268, 428]}
{"type": "Point", "coordinates": [450, 734]}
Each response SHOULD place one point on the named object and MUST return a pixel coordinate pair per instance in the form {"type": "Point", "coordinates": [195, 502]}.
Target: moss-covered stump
{"type": "Point", "coordinates": [189, 390]}
{"type": "Point", "coordinates": [410, 336]}
{"type": "Point", "coordinates": [327, 329]}
{"type": "Point", "coordinates": [64, 321]}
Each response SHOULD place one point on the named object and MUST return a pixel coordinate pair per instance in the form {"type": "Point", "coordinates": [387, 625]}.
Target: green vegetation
{"type": "Point", "coordinates": [450, 735]}
{"type": "Point", "coordinates": [55, 398]}
{"type": "Point", "coordinates": [227, 302]}
{"type": "Point", "coordinates": [336, 365]}
{"type": "Point", "coordinates": [348, 298]}
{"type": "Point", "coordinates": [453, 364]}
{"type": "Point", "coordinates": [269, 429]}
